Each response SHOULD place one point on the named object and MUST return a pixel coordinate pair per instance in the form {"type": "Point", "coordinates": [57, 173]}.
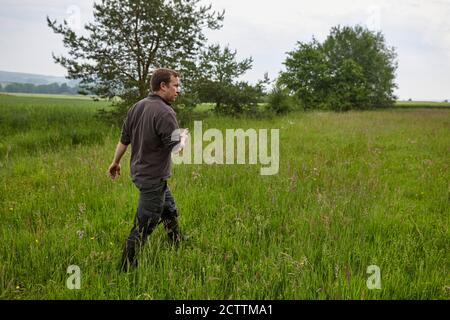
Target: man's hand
{"type": "Point", "coordinates": [182, 135]}
{"type": "Point", "coordinates": [114, 170]}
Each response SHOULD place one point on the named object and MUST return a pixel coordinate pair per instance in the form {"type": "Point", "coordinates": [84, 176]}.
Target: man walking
{"type": "Point", "coordinates": [151, 129]}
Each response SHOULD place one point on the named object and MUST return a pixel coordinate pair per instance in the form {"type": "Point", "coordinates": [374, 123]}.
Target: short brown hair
{"type": "Point", "coordinates": [161, 75]}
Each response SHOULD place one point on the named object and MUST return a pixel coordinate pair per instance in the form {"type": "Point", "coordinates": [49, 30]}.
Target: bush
{"type": "Point", "coordinates": [279, 101]}
{"type": "Point", "coordinates": [240, 98]}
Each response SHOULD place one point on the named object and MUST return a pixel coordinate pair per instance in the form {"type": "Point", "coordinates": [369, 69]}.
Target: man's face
{"type": "Point", "coordinates": [172, 89]}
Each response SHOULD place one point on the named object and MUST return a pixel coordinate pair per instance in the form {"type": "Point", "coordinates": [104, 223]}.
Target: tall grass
{"type": "Point", "coordinates": [354, 190]}
{"type": "Point", "coordinates": [30, 123]}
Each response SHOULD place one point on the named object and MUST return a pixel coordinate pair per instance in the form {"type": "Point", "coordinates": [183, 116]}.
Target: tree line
{"type": "Point", "coordinates": [52, 88]}
{"type": "Point", "coordinates": [352, 69]}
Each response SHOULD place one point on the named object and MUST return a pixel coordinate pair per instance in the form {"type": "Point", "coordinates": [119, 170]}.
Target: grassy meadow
{"type": "Point", "coordinates": [354, 189]}
{"type": "Point", "coordinates": [422, 104]}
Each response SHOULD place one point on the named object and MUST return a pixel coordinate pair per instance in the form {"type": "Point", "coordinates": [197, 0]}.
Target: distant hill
{"type": "Point", "coordinates": [36, 79]}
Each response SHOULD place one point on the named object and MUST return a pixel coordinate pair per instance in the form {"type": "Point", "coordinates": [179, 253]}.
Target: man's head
{"type": "Point", "coordinates": [166, 84]}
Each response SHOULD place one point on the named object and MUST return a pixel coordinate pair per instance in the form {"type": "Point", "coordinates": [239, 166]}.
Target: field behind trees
{"type": "Point", "coordinates": [354, 189]}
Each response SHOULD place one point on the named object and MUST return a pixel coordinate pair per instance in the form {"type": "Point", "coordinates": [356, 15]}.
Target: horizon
{"type": "Point", "coordinates": [49, 75]}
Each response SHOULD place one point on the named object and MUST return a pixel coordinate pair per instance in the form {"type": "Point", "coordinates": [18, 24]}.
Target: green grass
{"type": "Point", "coordinates": [422, 104]}
{"type": "Point", "coordinates": [354, 189]}
{"type": "Point", "coordinates": [38, 123]}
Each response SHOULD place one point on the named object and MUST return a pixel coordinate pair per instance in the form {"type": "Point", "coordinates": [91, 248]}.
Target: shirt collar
{"type": "Point", "coordinates": [153, 95]}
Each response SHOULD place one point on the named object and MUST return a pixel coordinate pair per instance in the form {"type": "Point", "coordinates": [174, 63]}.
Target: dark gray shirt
{"type": "Point", "coordinates": [148, 127]}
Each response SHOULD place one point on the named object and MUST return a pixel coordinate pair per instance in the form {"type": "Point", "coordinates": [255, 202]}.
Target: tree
{"type": "Point", "coordinates": [352, 69]}
{"type": "Point", "coordinates": [216, 81]}
{"type": "Point", "coordinates": [307, 74]}
{"type": "Point", "coordinates": [129, 38]}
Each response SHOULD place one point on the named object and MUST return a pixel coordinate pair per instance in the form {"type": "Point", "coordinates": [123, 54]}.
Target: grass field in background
{"type": "Point", "coordinates": [354, 189]}
{"type": "Point", "coordinates": [422, 104]}
{"type": "Point", "coordinates": [29, 124]}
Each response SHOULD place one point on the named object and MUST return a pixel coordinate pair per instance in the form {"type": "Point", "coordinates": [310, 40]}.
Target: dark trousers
{"type": "Point", "coordinates": [156, 205]}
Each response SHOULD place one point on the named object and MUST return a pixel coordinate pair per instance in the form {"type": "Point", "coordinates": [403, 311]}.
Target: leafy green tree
{"type": "Point", "coordinates": [370, 61]}
{"type": "Point", "coordinates": [129, 38]}
{"type": "Point", "coordinates": [352, 69]}
{"type": "Point", "coordinates": [307, 75]}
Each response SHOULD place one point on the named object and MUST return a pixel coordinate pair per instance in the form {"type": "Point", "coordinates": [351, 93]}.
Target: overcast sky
{"type": "Point", "coordinates": [265, 30]}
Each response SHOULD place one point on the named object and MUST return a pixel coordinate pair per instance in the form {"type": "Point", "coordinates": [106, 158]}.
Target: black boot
{"type": "Point", "coordinates": [173, 231]}
{"type": "Point", "coordinates": [128, 257]}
